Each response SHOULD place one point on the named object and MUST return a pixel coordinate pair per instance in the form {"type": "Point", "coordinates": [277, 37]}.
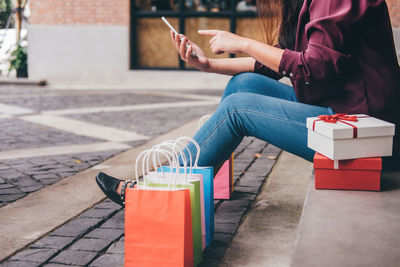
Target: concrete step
{"type": "Point", "coordinates": [267, 233]}
{"type": "Point", "coordinates": [350, 228]}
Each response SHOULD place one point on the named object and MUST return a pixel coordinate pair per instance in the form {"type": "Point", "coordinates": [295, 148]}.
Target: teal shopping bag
{"type": "Point", "coordinates": [208, 184]}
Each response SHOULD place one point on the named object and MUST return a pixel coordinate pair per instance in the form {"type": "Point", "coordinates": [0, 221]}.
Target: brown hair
{"type": "Point", "coordinates": [278, 19]}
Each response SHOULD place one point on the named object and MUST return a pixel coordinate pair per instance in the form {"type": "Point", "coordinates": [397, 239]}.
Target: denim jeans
{"type": "Point", "coordinates": [258, 106]}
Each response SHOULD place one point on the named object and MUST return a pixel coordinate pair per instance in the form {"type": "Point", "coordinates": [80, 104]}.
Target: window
{"type": "Point", "coordinates": [151, 47]}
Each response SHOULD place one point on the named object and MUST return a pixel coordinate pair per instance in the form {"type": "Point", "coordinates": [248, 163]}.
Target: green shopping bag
{"type": "Point", "coordinates": [194, 187]}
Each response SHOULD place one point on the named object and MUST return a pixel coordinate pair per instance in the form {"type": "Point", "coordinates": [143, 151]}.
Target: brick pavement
{"type": "Point", "coordinates": [20, 176]}
{"type": "Point", "coordinates": [95, 238]}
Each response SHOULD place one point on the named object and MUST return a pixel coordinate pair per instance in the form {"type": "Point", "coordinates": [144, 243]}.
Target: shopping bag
{"type": "Point", "coordinates": [158, 228]}
{"type": "Point", "coordinates": [223, 181]}
{"type": "Point", "coordinates": [194, 187]}
{"type": "Point", "coordinates": [174, 146]}
{"type": "Point", "coordinates": [192, 182]}
{"type": "Point", "coordinates": [208, 175]}
{"type": "Point", "coordinates": [158, 225]}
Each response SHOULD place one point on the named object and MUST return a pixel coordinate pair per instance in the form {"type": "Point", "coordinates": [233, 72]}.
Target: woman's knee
{"type": "Point", "coordinates": [239, 82]}
{"type": "Point", "coordinates": [232, 102]}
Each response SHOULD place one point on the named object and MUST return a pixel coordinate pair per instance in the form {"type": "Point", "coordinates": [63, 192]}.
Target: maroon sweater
{"type": "Point", "coordinates": [344, 58]}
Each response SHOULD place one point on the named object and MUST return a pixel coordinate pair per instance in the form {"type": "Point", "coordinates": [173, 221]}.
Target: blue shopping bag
{"type": "Point", "coordinates": [208, 177]}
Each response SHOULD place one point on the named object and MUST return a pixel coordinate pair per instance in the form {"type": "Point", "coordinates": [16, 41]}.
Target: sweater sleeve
{"type": "Point", "coordinates": [329, 31]}
{"type": "Point", "coordinates": [264, 70]}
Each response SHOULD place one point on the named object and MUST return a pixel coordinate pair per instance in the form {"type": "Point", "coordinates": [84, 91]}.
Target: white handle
{"type": "Point", "coordinates": [195, 144]}
{"type": "Point", "coordinates": [176, 150]}
{"type": "Point", "coordinates": [183, 156]}
{"type": "Point", "coordinates": [158, 155]}
{"type": "Point", "coordinates": [145, 154]}
{"type": "Point", "coordinates": [169, 156]}
{"type": "Point", "coordinates": [203, 120]}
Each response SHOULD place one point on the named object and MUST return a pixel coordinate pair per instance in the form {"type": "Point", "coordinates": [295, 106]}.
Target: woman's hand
{"type": "Point", "coordinates": [223, 41]}
{"type": "Point", "coordinates": [200, 61]}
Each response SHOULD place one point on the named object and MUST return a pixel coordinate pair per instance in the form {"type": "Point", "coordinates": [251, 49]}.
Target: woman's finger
{"type": "Point", "coordinates": [172, 37]}
{"type": "Point", "coordinates": [208, 32]}
{"type": "Point", "coordinates": [182, 49]}
{"type": "Point", "coordinates": [212, 40]}
{"type": "Point", "coordinates": [189, 52]}
{"type": "Point", "coordinates": [177, 41]}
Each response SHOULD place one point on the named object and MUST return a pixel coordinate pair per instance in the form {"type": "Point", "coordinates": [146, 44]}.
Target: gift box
{"type": "Point", "coordinates": [355, 174]}
{"type": "Point", "coordinates": [342, 136]}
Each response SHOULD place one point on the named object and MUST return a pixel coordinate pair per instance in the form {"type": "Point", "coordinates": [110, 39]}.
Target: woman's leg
{"type": "Point", "coordinates": [277, 121]}
{"type": "Point", "coordinates": [259, 84]}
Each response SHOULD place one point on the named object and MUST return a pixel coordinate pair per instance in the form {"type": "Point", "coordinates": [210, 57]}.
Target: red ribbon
{"type": "Point", "coordinates": [342, 117]}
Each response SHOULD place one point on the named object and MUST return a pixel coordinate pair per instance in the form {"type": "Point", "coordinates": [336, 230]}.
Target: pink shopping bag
{"type": "Point", "coordinates": [223, 181]}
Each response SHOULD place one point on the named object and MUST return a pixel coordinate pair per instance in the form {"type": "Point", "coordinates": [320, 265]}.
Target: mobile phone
{"type": "Point", "coordinates": [193, 54]}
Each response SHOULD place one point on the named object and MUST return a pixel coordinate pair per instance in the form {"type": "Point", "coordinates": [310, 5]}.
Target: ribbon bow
{"type": "Point", "coordinates": [342, 117]}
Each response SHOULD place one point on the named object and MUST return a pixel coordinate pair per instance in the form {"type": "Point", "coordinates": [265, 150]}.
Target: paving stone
{"type": "Point", "coordinates": [54, 242]}
{"type": "Point", "coordinates": [19, 264]}
{"type": "Point", "coordinates": [57, 265]}
{"type": "Point", "coordinates": [24, 181]}
{"type": "Point", "coordinates": [10, 198]}
{"type": "Point", "coordinates": [235, 203]}
{"type": "Point", "coordinates": [229, 210]}
{"type": "Point", "coordinates": [84, 222]}
{"type": "Point", "coordinates": [9, 174]}
{"type": "Point", "coordinates": [3, 167]}
{"type": "Point", "coordinates": [9, 191]}
{"type": "Point", "coordinates": [209, 263]}
{"type": "Point", "coordinates": [44, 176]}
{"type": "Point", "coordinates": [71, 231]}
{"type": "Point", "coordinates": [114, 223]}
{"type": "Point", "coordinates": [76, 227]}
{"type": "Point", "coordinates": [107, 234]}
{"type": "Point", "coordinates": [50, 181]}
{"type": "Point", "coordinates": [223, 238]}
{"type": "Point", "coordinates": [228, 228]}
{"type": "Point", "coordinates": [117, 247]}
{"type": "Point", "coordinates": [90, 244]}
{"type": "Point", "coordinates": [215, 252]}
{"type": "Point", "coordinates": [97, 213]}
{"type": "Point", "coordinates": [33, 188]}
{"type": "Point", "coordinates": [2, 186]}
{"type": "Point", "coordinates": [240, 166]}
{"type": "Point", "coordinates": [227, 218]}
{"type": "Point", "coordinates": [34, 255]}
{"type": "Point", "coordinates": [108, 260]}
{"type": "Point", "coordinates": [248, 183]}
{"type": "Point", "coordinates": [247, 189]}
{"type": "Point", "coordinates": [241, 195]}
{"type": "Point", "coordinates": [107, 205]}
{"type": "Point", "coordinates": [74, 257]}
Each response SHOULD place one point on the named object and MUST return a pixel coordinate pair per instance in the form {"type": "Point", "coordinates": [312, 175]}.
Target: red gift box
{"type": "Point", "coordinates": [355, 174]}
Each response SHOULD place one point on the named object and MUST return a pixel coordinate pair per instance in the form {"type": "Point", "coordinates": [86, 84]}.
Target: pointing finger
{"type": "Point", "coordinates": [208, 32]}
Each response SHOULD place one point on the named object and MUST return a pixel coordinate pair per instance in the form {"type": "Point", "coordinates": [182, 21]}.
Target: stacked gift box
{"type": "Point", "coordinates": [349, 150]}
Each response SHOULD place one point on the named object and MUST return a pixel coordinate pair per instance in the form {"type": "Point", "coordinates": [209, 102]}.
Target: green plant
{"type": "Point", "coordinates": [5, 12]}
{"type": "Point", "coordinates": [19, 61]}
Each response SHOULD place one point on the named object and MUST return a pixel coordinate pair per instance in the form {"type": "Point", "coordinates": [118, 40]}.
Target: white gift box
{"type": "Point", "coordinates": [364, 138]}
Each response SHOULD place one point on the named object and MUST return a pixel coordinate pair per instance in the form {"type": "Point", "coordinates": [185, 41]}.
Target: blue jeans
{"type": "Point", "coordinates": [258, 106]}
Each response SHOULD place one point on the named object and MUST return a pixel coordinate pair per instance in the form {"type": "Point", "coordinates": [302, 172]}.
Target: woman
{"type": "Point", "coordinates": [339, 56]}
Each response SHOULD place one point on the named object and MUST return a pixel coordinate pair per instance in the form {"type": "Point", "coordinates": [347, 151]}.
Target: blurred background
{"type": "Point", "coordinates": [107, 40]}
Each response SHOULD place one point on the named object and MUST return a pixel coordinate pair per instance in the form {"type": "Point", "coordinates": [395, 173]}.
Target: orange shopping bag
{"type": "Point", "coordinates": [158, 228]}
{"type": "Point", "coordinates": [158, 225]}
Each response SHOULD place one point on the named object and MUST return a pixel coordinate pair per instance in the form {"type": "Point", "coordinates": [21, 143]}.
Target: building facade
{"type": "Point", "coordinates": [106, 41]}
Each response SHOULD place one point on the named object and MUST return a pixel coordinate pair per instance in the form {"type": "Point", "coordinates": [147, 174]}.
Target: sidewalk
{"type": "Point", "coordinates": [95, 237]}
{"type": "Point", "coordinates": [55, 141]}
